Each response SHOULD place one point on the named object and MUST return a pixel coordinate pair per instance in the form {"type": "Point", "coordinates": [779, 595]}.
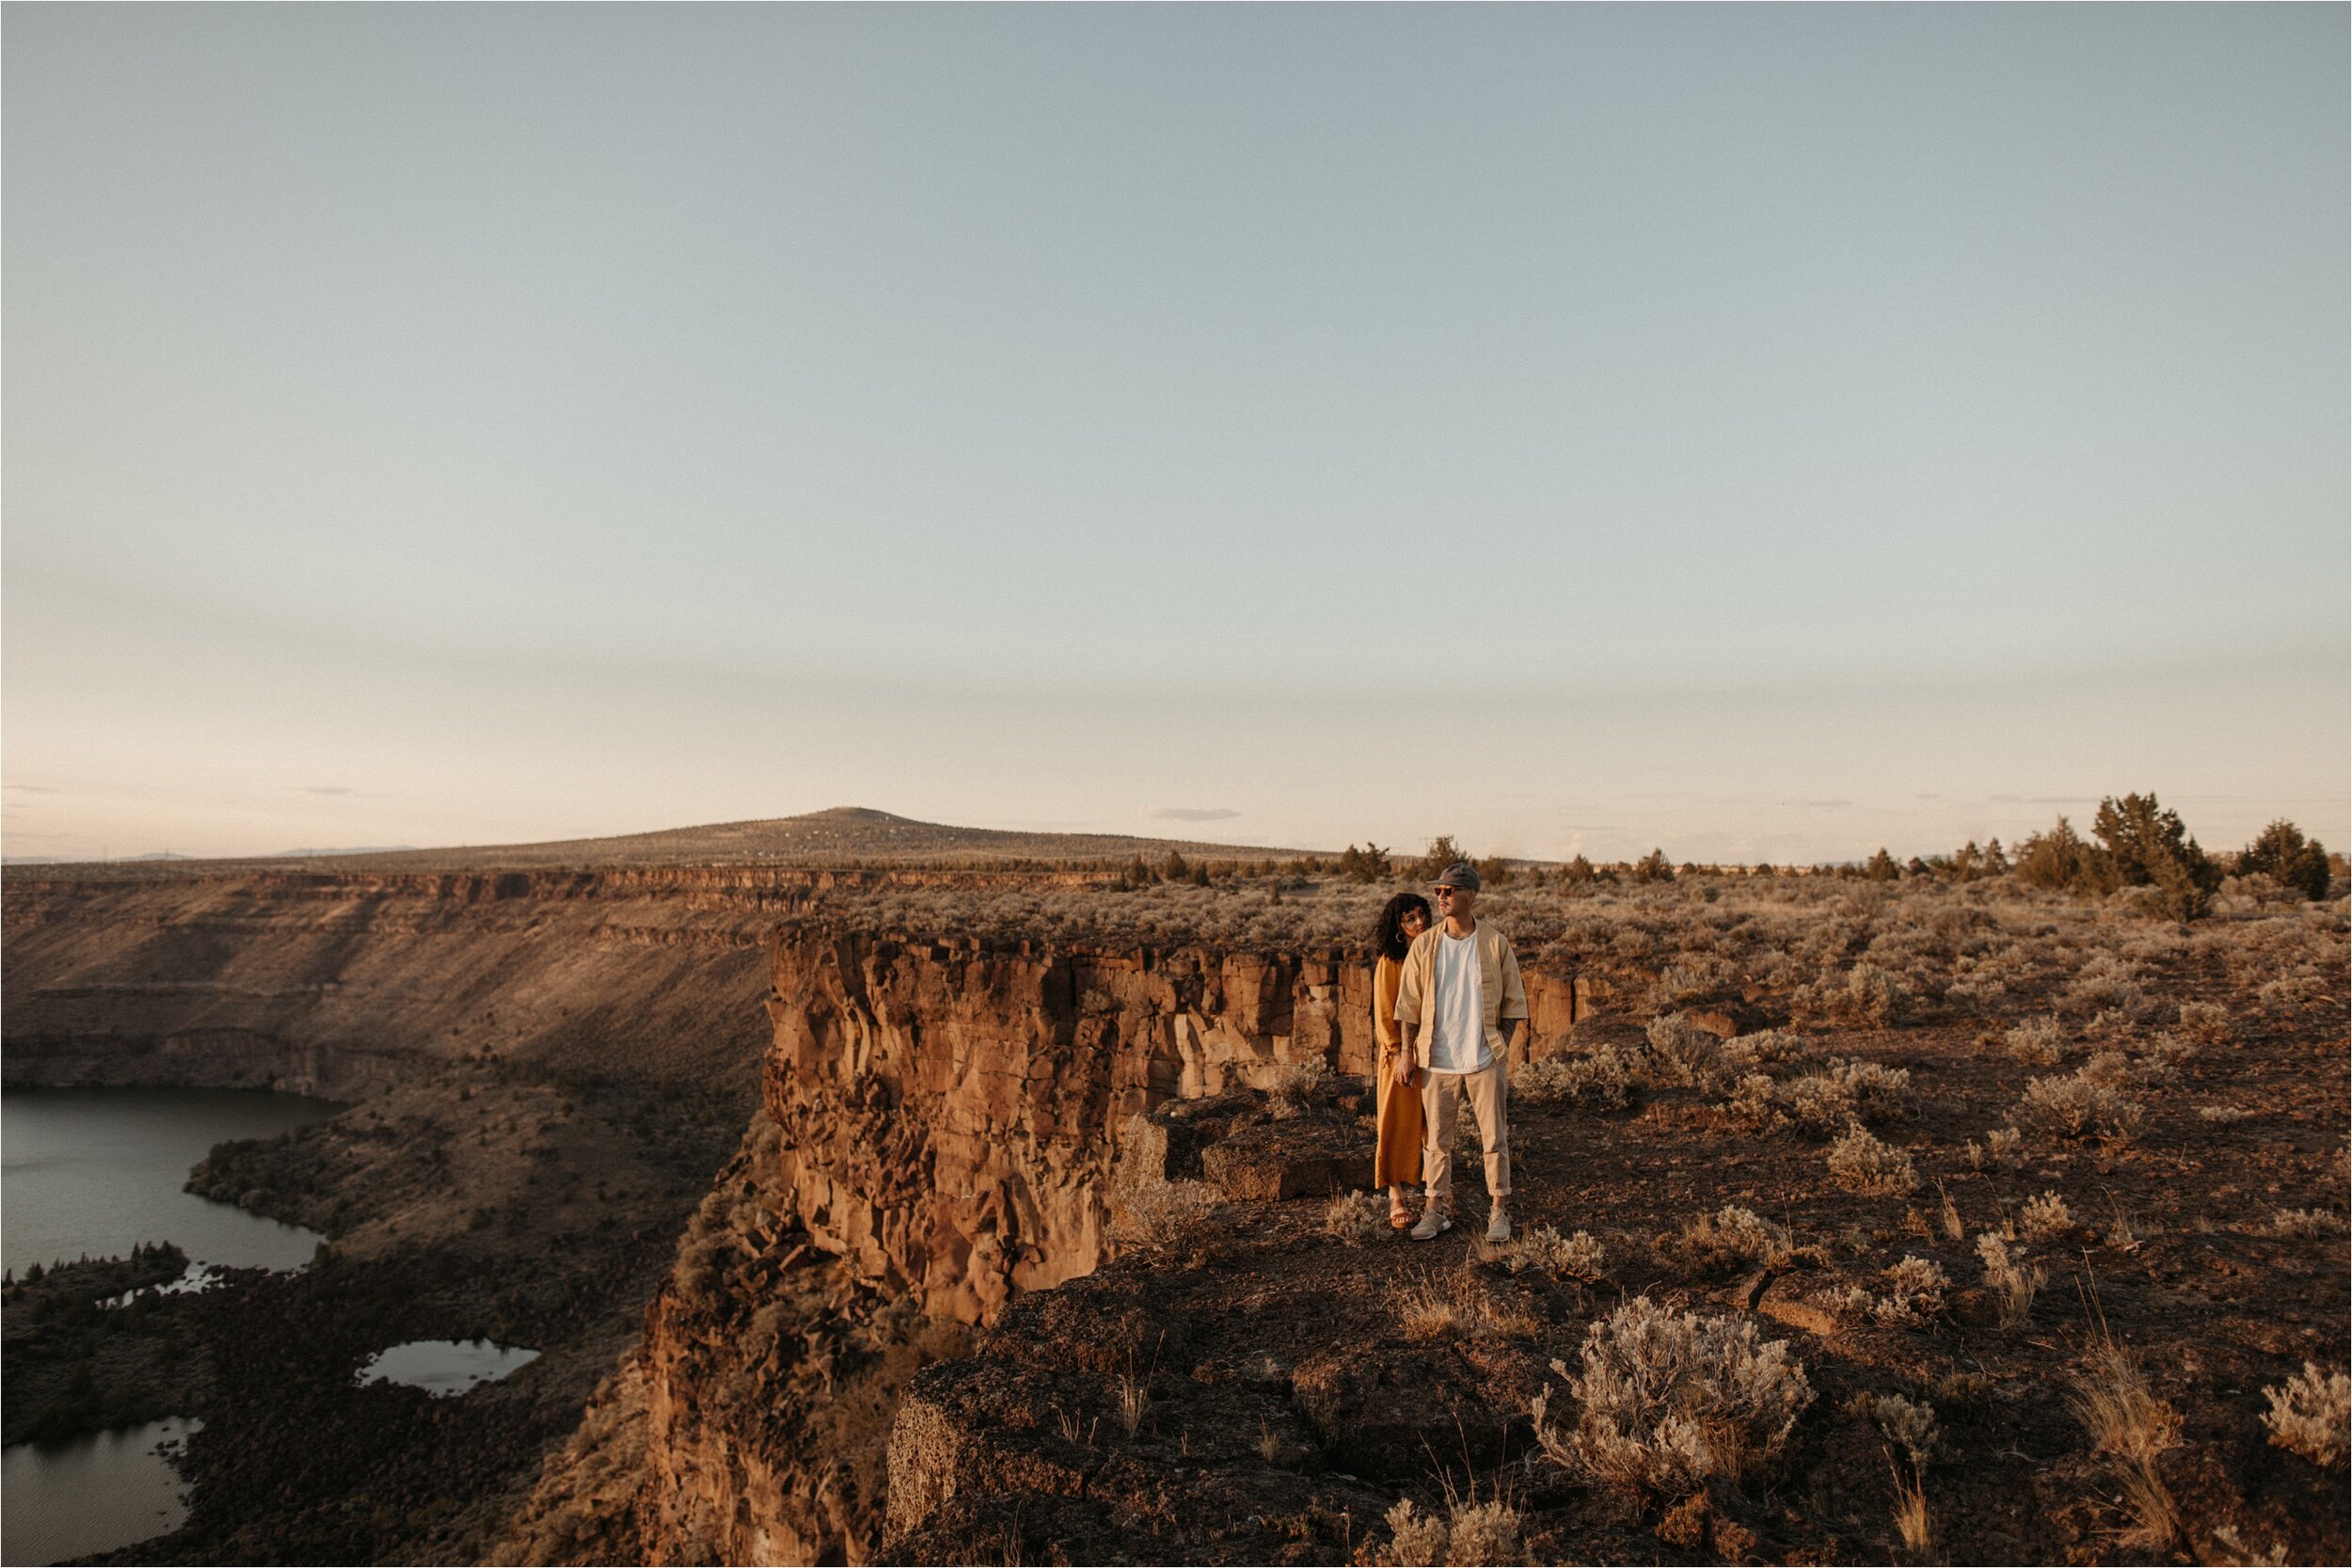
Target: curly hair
{"type": "Point", "coordinates": [1388, 936]}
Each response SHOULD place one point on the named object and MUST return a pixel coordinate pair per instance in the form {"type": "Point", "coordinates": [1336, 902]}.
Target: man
{"type": "Point", "coordinates": [1461, 995]}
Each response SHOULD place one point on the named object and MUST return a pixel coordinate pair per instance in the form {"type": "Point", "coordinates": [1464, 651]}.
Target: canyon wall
{"type": "Point", "coordinates": [325, 982]}
{"type": "Point", "coordinates": [939, 1127]}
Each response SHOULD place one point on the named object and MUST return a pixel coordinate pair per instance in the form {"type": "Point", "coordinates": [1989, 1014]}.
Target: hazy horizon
{"type": "Point", "coordinates": [1758, 431]}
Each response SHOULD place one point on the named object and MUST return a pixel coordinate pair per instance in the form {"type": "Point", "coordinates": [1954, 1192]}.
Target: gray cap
{"type": "Point", "coordinates": [1460, 874]}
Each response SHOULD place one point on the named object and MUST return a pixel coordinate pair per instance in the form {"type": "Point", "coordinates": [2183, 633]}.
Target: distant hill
{"type": "Point", "coordinates": [846, 835]}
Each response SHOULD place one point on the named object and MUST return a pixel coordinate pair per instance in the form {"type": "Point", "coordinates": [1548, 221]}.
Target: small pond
{"type": "Point", "coordinates": [92, 1495]}
{"type": "Point", "coordinates": [445, 1367]}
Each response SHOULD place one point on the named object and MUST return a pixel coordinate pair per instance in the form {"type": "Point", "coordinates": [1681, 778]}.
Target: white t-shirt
{"type": "Point", "coordinates": [1457, 1012]}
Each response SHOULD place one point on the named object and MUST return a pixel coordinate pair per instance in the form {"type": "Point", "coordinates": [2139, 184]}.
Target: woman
{"type": "Point", "coordinates": [1396, 1160]}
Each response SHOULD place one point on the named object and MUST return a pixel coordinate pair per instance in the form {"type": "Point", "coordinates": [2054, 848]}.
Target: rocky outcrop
{"type": "Point", "coordinates": [941, 1123]}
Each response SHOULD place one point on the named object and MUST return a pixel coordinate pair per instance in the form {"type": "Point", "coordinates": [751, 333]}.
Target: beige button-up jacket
{"type": "Point", "coordinates": [1499, 986]}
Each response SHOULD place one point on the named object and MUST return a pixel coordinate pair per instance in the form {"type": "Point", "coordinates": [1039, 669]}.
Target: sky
{"type": "Point", "coordinates": [1759, 431]}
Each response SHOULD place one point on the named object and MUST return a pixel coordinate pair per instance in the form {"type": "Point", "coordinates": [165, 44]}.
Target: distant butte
{"type": "Point", "coordinates": [844, 835]}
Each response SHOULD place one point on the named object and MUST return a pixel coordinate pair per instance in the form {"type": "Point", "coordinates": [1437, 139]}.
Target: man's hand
{"type": "Point", "coordinates": [1405, 1069]}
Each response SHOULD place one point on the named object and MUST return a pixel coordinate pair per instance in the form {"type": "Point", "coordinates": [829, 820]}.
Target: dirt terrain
{"type": "Point", "coordinates": [1028, 1250]}
{"type": "Point", "coordinates": [1294, 1387]}
{"type": "Point", "coordinates": [1820, 1082]}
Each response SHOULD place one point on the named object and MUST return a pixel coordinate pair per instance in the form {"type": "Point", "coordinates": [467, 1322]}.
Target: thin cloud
{"type": "Point", "coordinates": [1191, 814]}
{"type": "Point", "coordinates": [32, 789]}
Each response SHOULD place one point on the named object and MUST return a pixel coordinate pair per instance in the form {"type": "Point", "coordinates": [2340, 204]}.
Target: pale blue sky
{"type": "Point", "coordinates": [1755, 429]}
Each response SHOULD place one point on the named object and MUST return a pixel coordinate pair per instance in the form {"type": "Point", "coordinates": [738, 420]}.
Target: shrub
{"type": "Point", "coordinates": [2108, 1069]}
{"type": "Point", "coordinates": [1577, 1257]}
{"type": "Point", "coordinates": [1416, 1540]}
{"type": "Point", "coordinates": [1484, 1533]}
{"type": "Point", "coordinates": [1917, 1287]}
{"type": "Point", "coordinates": [2045, 1218]}
{"type": "Point", "coordinates": [2038, 1040]}
{"type": "Point", "coordinates": [1686, 982]}
{"type": "Point", "coordinates": [2205, 1021]}
{"type": "Point", "coordinates": [1356, 1218]}
{"type": "Point", "coordinates": [1598, 1082]}
{"type": "Point", "coordinates": [2305, 1221]}
{"type": "Point", "coordinates": [1864, 1165]}
{"type": "Point", "coordinates": [2075, 1107]}
{"type": "Point", "coordinates": [1756, 1104]}
{"type": "Point", "coordinates": [1298, 1086]}
{"type": "Point", "coordinates": [2004, 1148]}
{"type": "Point", "coordinates": [1879, 1093]}
{"type": "Point", "coordinates": [1165, 1215]}
{"type": "Point", "coordinates": [1745, 1051]}
{"type": "Point", "coordinates": [2311, 1414]}
{"type": "Point", "coordinates": [1908, 1426]}
{"type": "Point", "coordinates": [1667, 1401]}
{"type": "Point", "coordinates": [2289, 858]}
{"type": "Point", "coordinates": [1370, 863]}
{"type": "Point", "coordinates": [1681, 1054]}
{"type": "Point", "coordinates": [1654, 868]}
{"type": "Point", "coordinates": [1869, 995]}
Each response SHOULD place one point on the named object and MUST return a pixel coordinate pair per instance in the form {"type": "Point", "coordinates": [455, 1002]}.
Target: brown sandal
{"type": "Point", "coordinates": [1400, 1216]}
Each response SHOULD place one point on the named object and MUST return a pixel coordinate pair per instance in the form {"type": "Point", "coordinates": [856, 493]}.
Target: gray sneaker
{"type": "Point", "coordinates": [1497, 1227]}
{"type": "Point", "coordinates": [1434, 1223]}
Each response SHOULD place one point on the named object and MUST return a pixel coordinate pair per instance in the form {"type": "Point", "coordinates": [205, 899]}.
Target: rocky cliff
{"type": "Point", "coordinates": [940, 1126]}
{"type": "Point", "coordinates": [327, 982]}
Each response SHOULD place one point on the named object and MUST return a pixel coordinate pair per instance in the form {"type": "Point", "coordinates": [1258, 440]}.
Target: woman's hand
{"type": "Point", "coordinates": [1404, 1070]}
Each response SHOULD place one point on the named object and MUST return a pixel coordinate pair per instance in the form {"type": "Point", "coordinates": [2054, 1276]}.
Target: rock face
{"type": "Point", "coordinates": [940, 1127]}
{"type": "Point", "coordinates": [333, 984]}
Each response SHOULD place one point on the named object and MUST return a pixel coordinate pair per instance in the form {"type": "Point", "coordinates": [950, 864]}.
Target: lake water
{"type": "Point", "coordinates": [97, 1171]}
{"type": "Point", "coordinates": [445, 1367]}
{"type": "Point", "coordinates": [91, 1495]}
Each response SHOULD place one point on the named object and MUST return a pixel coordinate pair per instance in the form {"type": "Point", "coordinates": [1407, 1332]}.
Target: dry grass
{"type": "Point", "coordinates": [2132, 1430]}
{"type": "Point", "coordinates": [1134, 1403]}
{"type": "Point", "coordinates": [2018, 1281]}
{"type": "Point", "coordinates": [2305, 1221]}
{"type": "Point", "coordinates": [1912, 1522]}
{"type": "Point", "coordinates": [1725, 1241]}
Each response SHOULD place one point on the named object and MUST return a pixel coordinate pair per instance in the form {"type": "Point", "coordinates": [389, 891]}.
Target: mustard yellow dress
{"type": "Point", "coordinates": [1396, 1158]}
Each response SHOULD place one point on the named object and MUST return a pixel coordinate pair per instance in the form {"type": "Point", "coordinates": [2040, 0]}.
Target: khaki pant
{"type": "Point", "coordinates": [1440, 1097]}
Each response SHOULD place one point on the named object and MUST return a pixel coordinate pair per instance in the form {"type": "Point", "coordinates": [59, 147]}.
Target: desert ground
{"type": "Point", "coordinates": [1923, 1216]}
